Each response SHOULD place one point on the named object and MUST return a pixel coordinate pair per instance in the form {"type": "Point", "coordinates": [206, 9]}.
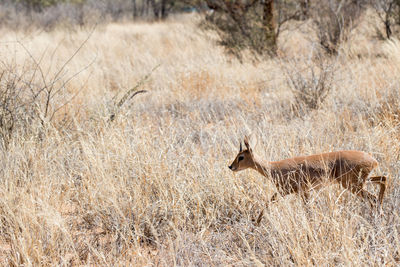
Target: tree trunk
{"type": "Point", "coordinates": [156, 10]}
{"type": "Point", "coordinates": [304, 5]}
{"type": "Point", "coordinates": [134, 9]}
{"type": "Point", "coordinates": [147, 8]}
{"type": "Point", "coordinates": [269, 24]}
{"type": "Point", "coordinates": [164, 12]}
{"type": "Point", "coordinates": [387, 20]}
{"type": "Point", "coordinates": [388, 29]}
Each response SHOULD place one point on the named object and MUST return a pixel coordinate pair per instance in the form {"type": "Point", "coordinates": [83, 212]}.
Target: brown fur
{"type": "Point", "coordinates": [300, 174]}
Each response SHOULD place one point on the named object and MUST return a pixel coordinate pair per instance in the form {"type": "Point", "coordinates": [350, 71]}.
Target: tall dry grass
{"type": "Point", "coordinates": [153, 188]}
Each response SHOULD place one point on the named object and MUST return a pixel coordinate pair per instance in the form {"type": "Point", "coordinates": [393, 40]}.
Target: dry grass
{"type": "Point", "coordinates": [153, 186]}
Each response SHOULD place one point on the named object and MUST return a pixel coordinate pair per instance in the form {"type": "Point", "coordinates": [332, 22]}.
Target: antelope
{"type": "Point", "coordinates": [299, 175]}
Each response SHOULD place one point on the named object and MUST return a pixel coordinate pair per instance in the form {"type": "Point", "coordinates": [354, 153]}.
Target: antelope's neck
{"type": "Point", "coordinates": [263, 167]}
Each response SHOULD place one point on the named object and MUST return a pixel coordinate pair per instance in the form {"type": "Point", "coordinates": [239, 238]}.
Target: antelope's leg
{"type": "Point", "coordinates": [381, 180]}
{"type": "Point", "coordinates": [365, 195]}
{"type": "Point", "coordinates": [272, 200]}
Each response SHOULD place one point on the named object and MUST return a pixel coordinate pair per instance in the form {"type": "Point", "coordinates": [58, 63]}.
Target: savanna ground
{"type": "Point", "coordinates": [152, 186]}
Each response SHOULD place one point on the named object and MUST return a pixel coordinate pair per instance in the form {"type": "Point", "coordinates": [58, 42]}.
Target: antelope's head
{"type": "Point", "coordinates": [245, 158]}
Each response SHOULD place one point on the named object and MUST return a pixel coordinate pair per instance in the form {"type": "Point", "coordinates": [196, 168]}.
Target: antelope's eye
{"type": "Point", "coordinates": [240, 158]}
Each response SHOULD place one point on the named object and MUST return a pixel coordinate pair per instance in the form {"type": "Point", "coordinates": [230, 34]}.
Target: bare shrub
{"type": "Point", "coordinates": [17, 111]}
{"type": "Point", "coordinates": [311, 82]}
{"type": "Point", "coordinates": [334, 20]}
{"type": "Point", "coordinates": [389, 14]}
{"type": "Point", "coordinates": [29, 100]}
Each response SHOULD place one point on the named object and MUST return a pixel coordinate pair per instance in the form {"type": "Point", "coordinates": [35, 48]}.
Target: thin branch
{"type": "Point", "coordinates": [73, 96]}
{"type": "Point", "coordinates": [76, 52]}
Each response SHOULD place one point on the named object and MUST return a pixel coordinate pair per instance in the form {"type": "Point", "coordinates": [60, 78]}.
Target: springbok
{"type": "Point", "coordinates": [301, 174]}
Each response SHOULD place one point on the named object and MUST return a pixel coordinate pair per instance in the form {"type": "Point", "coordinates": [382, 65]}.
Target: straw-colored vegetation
{"type": "Point", "coordinates": [153, 186]}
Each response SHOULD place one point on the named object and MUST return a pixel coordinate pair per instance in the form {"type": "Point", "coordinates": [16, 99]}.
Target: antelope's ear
{"type": "Point", "coordinates": [250, 142]}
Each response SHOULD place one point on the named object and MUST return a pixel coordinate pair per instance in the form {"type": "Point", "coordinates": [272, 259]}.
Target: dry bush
{"type": "Point", "coordinates": [334, 20]}
{"type": "Point", "coordinates": [30, 99]}
{"type": "Point", "coordinates": [18, 106]}
{"type": "Point", "coordinates": [311, 81]}
{"type": "Point", "coordinates": [389, 14]}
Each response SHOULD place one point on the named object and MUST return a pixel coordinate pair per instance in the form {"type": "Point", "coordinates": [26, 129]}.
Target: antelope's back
{"type": "Point", "coordinates": [332, 163]}
{"type": "Point", "coordinates": [351, 163]}
{"type": "Point", "coordinates": [358, 158]}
